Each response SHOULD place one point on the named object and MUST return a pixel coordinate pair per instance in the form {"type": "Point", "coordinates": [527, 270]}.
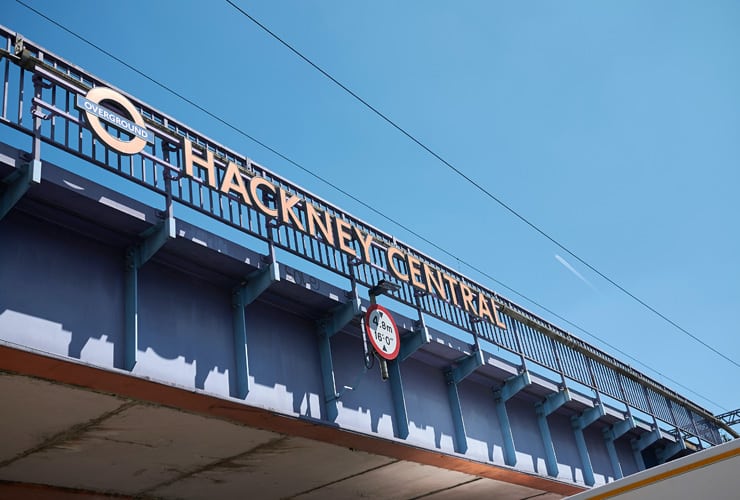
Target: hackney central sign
{"type": "Point", "coordinates": [288, 208]}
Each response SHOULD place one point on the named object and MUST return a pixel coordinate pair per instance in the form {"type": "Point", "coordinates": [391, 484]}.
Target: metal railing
{"type": "Point", "coordinates": [35, 78]}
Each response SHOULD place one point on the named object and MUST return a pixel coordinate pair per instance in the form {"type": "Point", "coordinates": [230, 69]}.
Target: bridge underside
{"type": "Point", "coordinates": [79, 430]}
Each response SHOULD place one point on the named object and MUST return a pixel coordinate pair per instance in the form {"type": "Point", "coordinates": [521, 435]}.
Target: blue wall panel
{"type": "Point", "coordinates": [60, 292]}
{"type": "Point", "coordinates": [185, 330]}
{"type": "Point", "coordinates": [283, 362]}
{"type": "Point", "coordinates": [481, 422]}
{"type": "Point", "coordinates": [430, 420]}
{"type": "Point", "coordinates": [569, 463]}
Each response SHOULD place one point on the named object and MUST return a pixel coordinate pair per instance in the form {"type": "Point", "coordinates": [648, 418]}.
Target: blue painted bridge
{"type": "Point", "coordinates": [177, 321]}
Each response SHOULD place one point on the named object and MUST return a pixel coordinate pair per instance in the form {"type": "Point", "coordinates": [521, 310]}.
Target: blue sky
{"type": "Point", "coordinates": [613, 126]}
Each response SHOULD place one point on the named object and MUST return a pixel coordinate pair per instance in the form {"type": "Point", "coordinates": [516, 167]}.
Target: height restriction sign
{"type": "Point", "coordinates": [382, 331]}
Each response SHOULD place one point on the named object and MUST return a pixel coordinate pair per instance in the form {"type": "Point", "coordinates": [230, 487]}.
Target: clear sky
{"type": "Point", "coordinates": [613, 126]}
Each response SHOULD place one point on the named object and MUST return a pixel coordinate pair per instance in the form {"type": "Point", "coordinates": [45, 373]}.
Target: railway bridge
{"type": "Point", "coordinates": [178, 321]}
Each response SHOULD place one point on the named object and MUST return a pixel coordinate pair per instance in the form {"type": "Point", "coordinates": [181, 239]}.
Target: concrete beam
{"type": "Point", "coordinates": [214, 465]}
{"type": "Point", "coordinates": [70, 434]}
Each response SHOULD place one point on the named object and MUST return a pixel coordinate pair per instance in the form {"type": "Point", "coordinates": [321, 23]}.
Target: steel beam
{"type": "Point", "coordinates": [17, 184]}
{"type": "Point", "coordinates": [579, 423]}
{"type": "Point", "coordinates": [611, 434]}
{"type": "Point", "coordinates": [642, 443]}
{"type": "Point", "coordinates": [500, 396]}
{"type": "Point", "coordinates": [730, 417]}
{"type": "Point", "coordinates": [453, 376]}
{"type": "Point", "coordinates": [409, 343]}
{"type": "Point", "coordinates": [543, 409]}
{"type": "Point", "coordinates": [413, 341]}
{"type": "Point", "coordinates": [137, 255]}
{"type": "Point", "coordinates": [255, 284]}
{"type": "Point", "coordinates": [670, 450]}
{"type": "Point", "coordinates": [326, 328]}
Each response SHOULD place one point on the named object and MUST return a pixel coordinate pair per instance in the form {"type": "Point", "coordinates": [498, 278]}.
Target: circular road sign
{"type": "Point", "coordinates": [382, 331]}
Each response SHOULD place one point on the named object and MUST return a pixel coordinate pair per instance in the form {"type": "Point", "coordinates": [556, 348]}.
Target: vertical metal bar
{"type": "Point", "coordinates": [558, 363]}
{"type": "Point", "coordinates": [551, 461]}
{"type": "Point", "coordinates": [5, 82]}
{"type": "Point", "coordinates": [519, 349]}
{"type": "Point", "coordinates": [461, 440]}
{"type": "Point", "coordinates": [508, 437]}
{"type": "Point", "coordinates": [650, 406]}
{"type": "Point", "coordinates": [327, 377]}
{"type": "Point", "coordinates": [611, 450]}
{"type": "Point", "coordinates": [21, 93]}
{"type": "Point", "coordinates": [588, 471]}
{"type": "Point", "coordinates": [53, 116]}
{"type": "Point", "coordinates": [594, 384]}
{"type": "Point", "coordinates": [399, 400]}
{"type": "Point", "coordinates": [131, 311]}
{"type": "Point", "coordinates": [241, 358]}
{"type": "Point", "coordinates": [673, 415]}
{"type": "Point", "coordinates": [693, 425]}
{"type": "Point", "coordinates": [36, 112]}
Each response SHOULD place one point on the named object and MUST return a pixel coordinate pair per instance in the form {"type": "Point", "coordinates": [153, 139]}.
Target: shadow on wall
{"type": "Point", "coordinates": [60, 291]}
{"type": "Point", "coordinates": [63, 293]}
{"type": "Point", "coordinates": [186, 323]}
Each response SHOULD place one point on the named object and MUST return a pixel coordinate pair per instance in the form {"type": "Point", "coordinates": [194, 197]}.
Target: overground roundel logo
{"type": "Point", "coordinates": [95, 112]}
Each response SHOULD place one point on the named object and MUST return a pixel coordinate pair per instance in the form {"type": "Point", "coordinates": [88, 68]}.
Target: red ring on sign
{"type": "Point", "coordinates": [379, 349]}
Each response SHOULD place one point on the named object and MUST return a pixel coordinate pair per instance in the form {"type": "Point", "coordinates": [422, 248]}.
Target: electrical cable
{"type": "Point", "coordinates": [482, 189]}
{"type": "Point", "coordinates": [369, 207]}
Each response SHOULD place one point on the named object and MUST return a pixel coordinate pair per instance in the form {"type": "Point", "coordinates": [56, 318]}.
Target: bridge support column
{"type": "Point", "coordinates": [500, 396]}
{"type": "Point", "coordinates": [454, 376]}
{"type": "Point", "coordinates": [409, 344]}
{"type": "Point", "coordinates": [543, 409]}
{"type": "Point", "coordinates": [137, 255]}
{"type": "Point", "coordinates": [579, 423]}
{"type": "Point", "coordinates": [611, 434]}
{"type": "Point", "coordinates": [255, 284]}
{"type": "Point", "coordinates": [669, 451]}
{"type": "Point", "coordinates": [326, 328]}
{"type": "Point", "coordinates": [643, 442]}
{"type": "Point", "coordinates": [17, 183]}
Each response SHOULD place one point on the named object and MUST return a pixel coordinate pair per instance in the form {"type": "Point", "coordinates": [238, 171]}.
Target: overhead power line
{"type": "Point", "coordinates": [481, 188]}
{"type": "Point", "coordinates": [381, 214]}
